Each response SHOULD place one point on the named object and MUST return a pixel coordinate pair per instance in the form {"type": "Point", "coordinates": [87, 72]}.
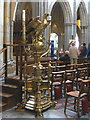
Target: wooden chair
{"type": "Point", "coordinates": [70, 76]}
{"type": "Point", "coordinates": [60, 67]}
{"type": "Point", "coordinates": [59, 63]}
{"type": "Point", "coordinates": [87, 83]}
{"type": "Point", "coordinates": [77, 95]}
{"type": "Point", "coordinates": [57, 80]}
{"type": "Point", "coordinates": [87, 65]}
{"type": "Point", "coordinates": [53, 63]}
{"type": "Point", "coordinates": [82, 73]}
{"type": "Point", "coordinates": [70, 66]}
{"type": "Point", "coordinates": [44, 73]}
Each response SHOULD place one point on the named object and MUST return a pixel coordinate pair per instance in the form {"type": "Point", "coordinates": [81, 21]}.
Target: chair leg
{"type": "Point", "coordinates": [72, 84]}
{"type": "Point", "coordinates": [64, 88]}
{"type": "Point", "coordinates": [65, 104]}
{"type": "Point", "coordinates": [61, 90]}
{"type": "Point", "coordinates": [75, 104]}
{"type": "Point", "coordinates": [78, 108]}
{"type": "Point", "coordinates": [51, 92]}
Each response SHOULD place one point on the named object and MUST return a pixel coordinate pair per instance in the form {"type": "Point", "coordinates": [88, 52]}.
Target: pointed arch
{"type": "Point", "coordinates": [66, 9]}
{"type": "Point", "coordinates": [83, 16]}
{"type": "Point", "coordinates": [83, 13]}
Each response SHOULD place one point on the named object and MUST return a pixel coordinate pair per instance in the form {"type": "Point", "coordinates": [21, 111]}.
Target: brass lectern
{"type": "Point", "coordinates": [39, 98]}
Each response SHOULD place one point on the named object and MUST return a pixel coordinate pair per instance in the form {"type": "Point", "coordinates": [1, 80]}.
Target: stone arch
{"type": "Point", "coordinates": [26, 6]}
{"type": "Point", "coordinates": [82, 13]}
{"type": "Point", "coordinates": [57, 17]}
{"type": "Point", "coordinates": [67, 20]}
{"type": "Point", "coordinates": [17, 26]}
{"type": "Point", "coordinates": [16, 17]}
{"type": "Point", "coordinates": [67, 11]}
{"type": "Point", "coordinates": [65, 7]}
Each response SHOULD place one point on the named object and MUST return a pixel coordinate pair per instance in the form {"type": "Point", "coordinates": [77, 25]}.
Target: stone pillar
{"type": "Point", "coordinates": [11, 39]}
{"type": "Point", "coordinates": [7, 25]}
{"type": "Point", "coordinates": [35, 9]}
{"type": "Point", "coordinates": [1, 29]}
{"type": "Point", "coordinates": [88, 23]}
{"type": "Point", "coordinates": [84, 34]}
{"type": "Point", "coordinates": [41, 8]}
{"type": "Point", "coordinates": [67, 35]}
{"type": "Point", "coordinates": [48, 29]}
{"type": "Point", "coordinates": [13, 7]}
{"type": "Point", "coordinates": [74, 19]}
{"type": "Point", "coordinates": [61, 41]}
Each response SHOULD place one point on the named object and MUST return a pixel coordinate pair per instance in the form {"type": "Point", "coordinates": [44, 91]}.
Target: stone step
{"type": "Point", "coordinates": [10, 92]}
{"type": "Point", "coordinates": [7, 88]}
{"type": "Point", "coordinates": [9, 99]}
{"type": "Point", "coordinates": [7, 95]}
{"type": "Point", "coordinates": [3, 106]}
{"type": "Point", "coordinates": [14, 80]}
{"type": "Point", "coordinates": [8, 85]}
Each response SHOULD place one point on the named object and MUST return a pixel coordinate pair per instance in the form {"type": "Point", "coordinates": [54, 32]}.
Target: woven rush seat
{"type": "Point", "coordinates": [75, 94]}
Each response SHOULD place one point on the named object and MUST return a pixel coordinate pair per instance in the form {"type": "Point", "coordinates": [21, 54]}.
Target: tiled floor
{"type": "Point", "coordinates": [55, 112]}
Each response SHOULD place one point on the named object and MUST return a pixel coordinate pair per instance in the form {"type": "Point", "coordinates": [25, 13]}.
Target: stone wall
{"type": "Point", "coordinates": [1, 30]}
